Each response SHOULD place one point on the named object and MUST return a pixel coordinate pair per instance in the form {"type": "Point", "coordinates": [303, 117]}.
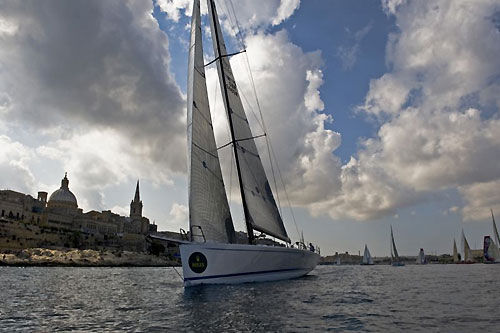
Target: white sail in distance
{"type": "Point", "coordinates": [455, 251]}
{"type": "Point", "coordinates": [421, 257]}
{"type": "Point", "coordinates": [261, 210]}
{"type": "Point", "coordinates": [367, 258]}
{"type": "Point", "coordinates": [394, 251]}
{"type": "Point", "coordinates": [208, 204]}
{"type": "Point", "coordinates": [495, 230]}
{"type": "Point", "coordinates": [466, 247]}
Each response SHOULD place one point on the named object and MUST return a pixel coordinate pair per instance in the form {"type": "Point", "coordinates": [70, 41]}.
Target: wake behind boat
{"type": "Point", "coordinates": [212, 257]}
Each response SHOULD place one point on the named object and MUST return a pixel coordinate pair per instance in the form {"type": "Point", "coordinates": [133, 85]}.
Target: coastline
{"type": "Point", "coordinates": [81, 258]}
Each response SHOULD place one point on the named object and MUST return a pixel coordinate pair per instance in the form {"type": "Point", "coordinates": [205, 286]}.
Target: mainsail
{"type": "Point", "coordinates": [394, 251]}
{"type": "Point", "coordinates": [455, 251]}
{"type": "Point", "coordinates": [367, 258]}
{"type": "Point", "coordinates": [261, 211]}
{"type": "Point", "coordinates": [495, 230]}
{"type": "Point", "coordinates": [208, 205]}
{"type": "Point", "coordinates": [467, 250]}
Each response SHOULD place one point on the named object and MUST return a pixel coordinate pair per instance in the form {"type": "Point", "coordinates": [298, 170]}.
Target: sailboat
{"type": "Point", "coordinates": [468, 258]}
{"type": "Point", "coordinates": [421, 258]}
{"type": "Point", "coordinates": [367, 258]}
{"type": "Point", "coordinates": [212, 255]}
{"type": "Point", "coordinates": [338, 259]}
{"type": "Point", "coordinates": [455, 252]}
{"type": "Point", "coordinates": [395, 261]}
{"type": "Point", "coordinates": [490, 247]}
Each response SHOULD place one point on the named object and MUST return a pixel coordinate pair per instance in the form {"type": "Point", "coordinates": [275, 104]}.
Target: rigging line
{"type": "Point", "coordinates": [224, 56]}
{"type": "Point", "coordinates": [237, 24]}
{"type": "Point", "coordinates": [245, 139]}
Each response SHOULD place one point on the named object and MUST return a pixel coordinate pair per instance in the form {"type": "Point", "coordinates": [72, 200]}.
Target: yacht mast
{"type": "Point", "coordinates": [219, 57]}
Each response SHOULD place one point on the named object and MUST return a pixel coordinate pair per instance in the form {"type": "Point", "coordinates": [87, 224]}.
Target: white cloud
{"type": "Point", "coordinates": [178, 215]}
{"type": "Point", "coordinates": [348, 54]}
{"type": "Point", "coordinates": [249, 13]}
{"type": "Point", "coordinates": [445, 55]}
{"type": "Point", "coordinates": [15, 173]}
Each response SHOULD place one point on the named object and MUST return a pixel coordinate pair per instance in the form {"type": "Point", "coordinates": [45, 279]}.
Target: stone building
{"type": "Point", "coordinates": [61, 211]}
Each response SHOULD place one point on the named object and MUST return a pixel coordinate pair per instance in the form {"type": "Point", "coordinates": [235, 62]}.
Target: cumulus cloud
{"type": "Point", "coordinates": [89, 83]}
{"type": "Point", "coordinates": [250, 14]}
{"type": "Point", "coordinates": [178, 214]}
{"type": "Point", "coordinates": [438, 107]}
{"type": "Point", "coordinates": [291, 106]}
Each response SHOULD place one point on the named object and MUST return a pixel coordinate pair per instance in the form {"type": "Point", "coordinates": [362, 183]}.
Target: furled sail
{"type": "Point", "coordinates": [367, 258]}
{"type": "Point", "coordinates": [455, 251]}
{"type": "Point", "coordinates": [467, 250]}
{"type": "Point", "coordinates": [208, 205]}
{"type": "Point", "coordinates": [261, 210]}
{"type": "Point", "coordinates": [394, 251]}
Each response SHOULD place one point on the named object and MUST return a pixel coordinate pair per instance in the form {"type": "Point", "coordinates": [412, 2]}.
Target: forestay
{"type": "Point", "coordinates": [208, 205]}
{"type": "Point", "coordinates": [261, 209]}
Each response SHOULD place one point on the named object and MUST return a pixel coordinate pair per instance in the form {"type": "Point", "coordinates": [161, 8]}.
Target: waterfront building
{"type": "Point", "coordinates": [61, 211]}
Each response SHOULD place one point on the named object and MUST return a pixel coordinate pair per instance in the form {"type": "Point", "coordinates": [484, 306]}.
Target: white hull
{"type": "Point", "coordinates": [239, 263]}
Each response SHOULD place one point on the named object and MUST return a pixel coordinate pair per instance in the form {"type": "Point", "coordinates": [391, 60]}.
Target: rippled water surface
{"type": "Point", "coordinates": [450, 298]}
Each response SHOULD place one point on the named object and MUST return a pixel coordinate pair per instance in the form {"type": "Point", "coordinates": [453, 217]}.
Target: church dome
{"type": "Point", "coordinates": [63, 194]}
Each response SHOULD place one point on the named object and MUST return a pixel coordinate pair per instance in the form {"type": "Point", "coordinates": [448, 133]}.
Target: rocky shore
{"type": "Point", "coordinates": [81, 258]}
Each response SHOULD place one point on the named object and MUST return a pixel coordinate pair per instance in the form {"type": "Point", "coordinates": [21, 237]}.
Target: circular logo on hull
{"type": "Point", "coordinates": [197, 262]}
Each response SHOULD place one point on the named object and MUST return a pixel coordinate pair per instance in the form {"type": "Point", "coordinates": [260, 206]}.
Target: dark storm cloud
{"type": "Point", "coordinates": [87, 64]}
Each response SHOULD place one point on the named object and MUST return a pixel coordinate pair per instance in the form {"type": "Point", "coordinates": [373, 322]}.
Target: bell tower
{"type": "Point", "coordinates": [136, 204]}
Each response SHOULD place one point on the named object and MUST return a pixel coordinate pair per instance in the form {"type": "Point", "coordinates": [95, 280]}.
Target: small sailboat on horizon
{"type": "Point", "coordinates": [490, 246]}
{"type": "Point", "coordinates": [468, 257]}
{"type": "Point", "coordinates": [421, 258]}
{"type": "Point", "coordinates": [395, 260]}
{"type": "Point", "coordinates": [367, 258]}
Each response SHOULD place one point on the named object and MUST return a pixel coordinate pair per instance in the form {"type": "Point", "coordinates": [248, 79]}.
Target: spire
{"type": "Point", "coordinates": [136, 204]}
{"type": "Point", "coordinates": [137, 197]}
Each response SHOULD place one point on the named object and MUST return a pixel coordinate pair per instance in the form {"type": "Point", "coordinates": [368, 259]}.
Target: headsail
{"type": "Point", "coordinates": [455, 251]}
{"type": "Point", "coordinates": [208, 205]}
{"type": "Point", "coordinates": [367, 258]}
{"type": "Point", "coordinates": [394, 251]}
{"type": "Point", "coordinates": [261, 211]}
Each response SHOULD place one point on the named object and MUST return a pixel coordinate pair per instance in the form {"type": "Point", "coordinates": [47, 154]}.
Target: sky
{"type": "Point", "coordinates": [379, 112]}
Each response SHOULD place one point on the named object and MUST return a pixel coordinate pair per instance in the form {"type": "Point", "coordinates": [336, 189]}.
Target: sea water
{"type": "Point", "coordinates": [427, 298]}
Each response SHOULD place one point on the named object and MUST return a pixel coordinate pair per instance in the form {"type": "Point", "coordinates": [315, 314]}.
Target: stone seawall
{"type": "Point", "coordinates": [86, 258]}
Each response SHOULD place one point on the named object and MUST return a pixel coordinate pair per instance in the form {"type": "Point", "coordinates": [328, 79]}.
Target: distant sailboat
{"type": "Point", "coordinates": [367, 258]}
{"type": "Point", "coordinates": [490, 248]}
{"type": "Point", "coordinates": [421, 258]}
{"type": "Point", "coordinates": [338, 260]}
{"type": "Point", "coordinates": [468, 258]}
{"type": "Point", "coordinates": [491, 252]}
{"type": "Point", "coordinates": [211, 256]}
{"type": "Point", "coordinates": [495, 230]}
{"type": "Point", "coordinates": [455, 252]}
{"type": "Point", "coordinates": [395, 261]}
